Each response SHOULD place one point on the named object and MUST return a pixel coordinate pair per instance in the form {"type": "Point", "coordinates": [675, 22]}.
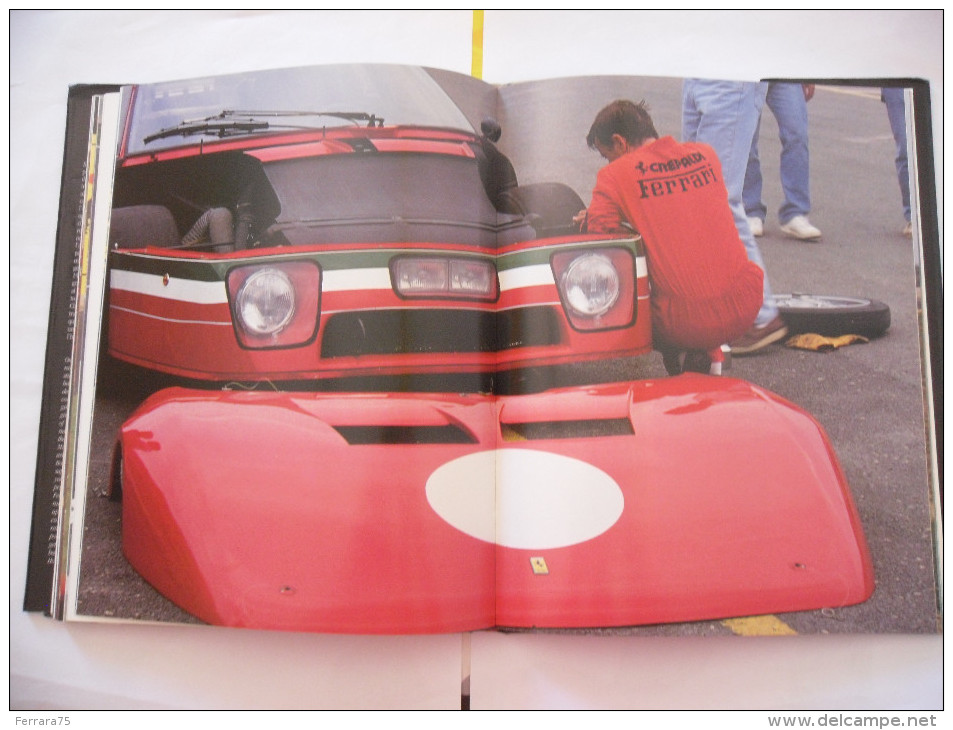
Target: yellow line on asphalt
{"type": "Point", "coordinates": [759, 626]}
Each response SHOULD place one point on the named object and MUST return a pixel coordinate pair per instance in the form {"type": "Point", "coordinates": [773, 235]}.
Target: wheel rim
{"type": "Point", "coordinates": [812, 301]}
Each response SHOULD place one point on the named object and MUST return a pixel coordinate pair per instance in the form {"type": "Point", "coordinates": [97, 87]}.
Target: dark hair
{"type": "Point", "coordinates": [625, 118]}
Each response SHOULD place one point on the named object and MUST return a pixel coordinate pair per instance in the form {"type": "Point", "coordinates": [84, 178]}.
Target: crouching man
{"type": "Point", "coordinates": [705, 292]}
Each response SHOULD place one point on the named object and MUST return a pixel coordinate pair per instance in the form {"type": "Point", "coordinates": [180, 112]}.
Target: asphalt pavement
{"type": "Point", "coordinates": [868, 397]}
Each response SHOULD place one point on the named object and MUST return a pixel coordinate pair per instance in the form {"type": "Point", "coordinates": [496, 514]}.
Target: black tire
{"type": "Point", "coordinates": [833, 316]}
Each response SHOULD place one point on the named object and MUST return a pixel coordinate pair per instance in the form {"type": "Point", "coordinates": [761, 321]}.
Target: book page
{"type": "Point", "coordinates": [86, 335]}
{"type": "Point", "coordinates": [537, 486]}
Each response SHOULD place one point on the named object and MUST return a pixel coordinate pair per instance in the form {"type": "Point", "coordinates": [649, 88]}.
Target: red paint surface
{"type": "Point", "coordinates": [250, 509]}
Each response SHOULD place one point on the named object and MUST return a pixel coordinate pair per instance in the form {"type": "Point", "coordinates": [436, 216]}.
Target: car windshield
{"type": "Point", "coordinates": [340, 94]}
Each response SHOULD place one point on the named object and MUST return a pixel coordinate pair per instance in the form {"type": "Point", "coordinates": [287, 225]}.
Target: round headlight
{"type": "Point", "coordinates": [591, 285]}
{"type": "Point", "coordinates": [265, 302]}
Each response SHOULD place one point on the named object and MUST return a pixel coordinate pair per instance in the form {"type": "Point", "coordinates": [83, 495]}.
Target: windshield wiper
{"type": "Point", "coordinates": [354, 117]}
{"type": "Point", "coordinates": [223, 129]}
{"type": "Point", "coordinates": [231, 123]}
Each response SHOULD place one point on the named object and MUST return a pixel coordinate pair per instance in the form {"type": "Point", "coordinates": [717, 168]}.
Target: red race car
{"type": "Point", "coordinates": [345, 246]}
{"type": "Point", "coordinates": [263, 241]}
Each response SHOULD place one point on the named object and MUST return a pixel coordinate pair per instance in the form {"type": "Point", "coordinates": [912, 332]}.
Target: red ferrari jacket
{"type": "Point", "coordinates": [705, 291]}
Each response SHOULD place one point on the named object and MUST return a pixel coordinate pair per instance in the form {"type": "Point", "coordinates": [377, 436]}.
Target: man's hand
{"type": "Point", "coordinates": [580, 218]}
{"type": "Point", "coordinates": [808, 91]}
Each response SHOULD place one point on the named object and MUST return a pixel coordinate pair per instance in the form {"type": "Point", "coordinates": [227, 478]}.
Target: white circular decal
{"type": "Point", "coordinates": [525, 499]}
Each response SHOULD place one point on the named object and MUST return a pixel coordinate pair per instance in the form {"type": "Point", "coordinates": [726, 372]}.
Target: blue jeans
{"type": "Point", "coordinates": [725, 114]}
{"type": "Point", "coordinates": [786, 102]}
{"type": "Point", "coordinates": [893, 98]}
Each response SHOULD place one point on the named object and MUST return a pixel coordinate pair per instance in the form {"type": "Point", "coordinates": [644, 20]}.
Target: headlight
{"type": "Point", "coordinates": [275, 304]}
{"type": "Point", "coordinates": [456, 278]}
{"type": "Point", "coordinates": [597, 287]}
{"type": "Point", "coordinates": [475, 278]}
{"type": "Point", "coordinates": [266, 302]}
{"type": "Point", "coordinates": [591, 285]}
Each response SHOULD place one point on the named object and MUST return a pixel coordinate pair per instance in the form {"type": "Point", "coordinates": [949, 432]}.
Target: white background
{"type": "Point", "coordinates": [58, 667]}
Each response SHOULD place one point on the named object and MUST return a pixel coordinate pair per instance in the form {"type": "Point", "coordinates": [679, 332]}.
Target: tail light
{"type": "Point", "coordinates": [275, 305]}
{"type": "Point", "coordinates": [454, 278]}
{"type": "Point", "coordinates": [597, 287]}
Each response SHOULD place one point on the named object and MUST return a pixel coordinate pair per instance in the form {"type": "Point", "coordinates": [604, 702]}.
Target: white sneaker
{"type": "Point", "coordinates": [757, 227]}
{"type": "Point", "coordinates": [800, 227]}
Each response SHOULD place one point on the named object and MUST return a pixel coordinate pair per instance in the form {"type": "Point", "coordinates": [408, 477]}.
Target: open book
{"type": "Point", "coordinates": [340, 360]}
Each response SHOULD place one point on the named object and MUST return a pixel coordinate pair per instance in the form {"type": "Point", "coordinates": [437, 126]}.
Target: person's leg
{"type": "Point", "coordinates": [893, 98]}
{"type": "Point", "coordinates": [690, 113]}
{"type": "Point", "coordinates": [787, 103]}
{"type": "Point", "coordinates": [754, 182]}
{"type": "Point", "coordinates": [724, 114]}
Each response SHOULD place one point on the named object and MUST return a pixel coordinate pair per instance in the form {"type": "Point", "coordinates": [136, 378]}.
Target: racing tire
{"type": "Point", "coordinates": [833, 316]}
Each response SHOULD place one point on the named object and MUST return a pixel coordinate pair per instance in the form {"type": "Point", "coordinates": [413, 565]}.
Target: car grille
{"type": "Point", "coordinates": [417, 331]}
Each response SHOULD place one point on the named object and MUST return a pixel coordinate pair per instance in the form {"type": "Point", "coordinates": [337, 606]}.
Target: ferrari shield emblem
{"type": "Point", "coordinates": [539, 566]}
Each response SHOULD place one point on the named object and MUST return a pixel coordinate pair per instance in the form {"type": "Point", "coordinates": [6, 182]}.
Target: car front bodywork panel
{"type": "Point", "coordinates": [654, 501]}
{"type": "Point", "coordinates": [172, 311]}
